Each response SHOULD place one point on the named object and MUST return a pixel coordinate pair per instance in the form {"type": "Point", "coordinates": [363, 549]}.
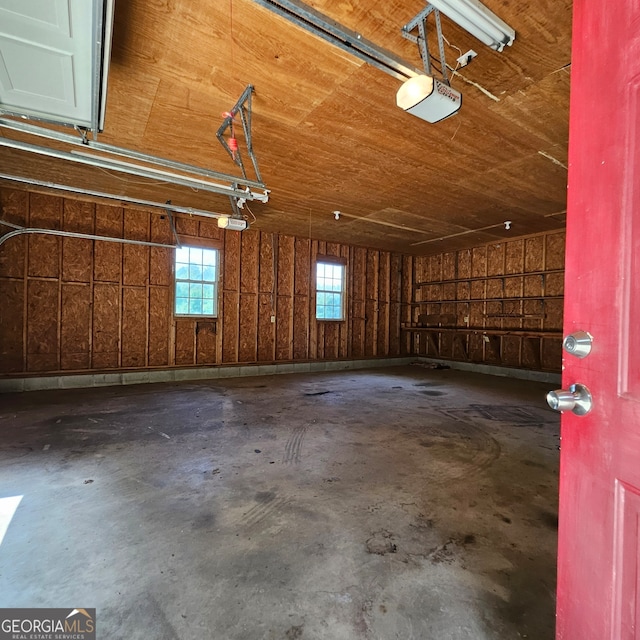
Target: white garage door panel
{"type": "Point", "coordinates": [46, 59]}
{"type": "Point", "coordinates": [29, 14]}
{"type": "Point", "coordinates": [49, 76]}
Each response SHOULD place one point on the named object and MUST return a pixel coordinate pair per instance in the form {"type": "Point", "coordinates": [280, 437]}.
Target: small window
{"type": "Point", "coordinates": [196, 282]}
{"type": "Point", "coordinates": [329, 291]}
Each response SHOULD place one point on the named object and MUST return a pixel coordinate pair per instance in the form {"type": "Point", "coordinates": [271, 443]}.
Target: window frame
{"type": "Point", "coordinates": [196, 243]}
{"type": "Point", "coordinates": [335, 261]}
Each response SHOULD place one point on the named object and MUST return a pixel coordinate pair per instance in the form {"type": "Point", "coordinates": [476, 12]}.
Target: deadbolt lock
{"type": "Point", "coordinates": [578, 344]}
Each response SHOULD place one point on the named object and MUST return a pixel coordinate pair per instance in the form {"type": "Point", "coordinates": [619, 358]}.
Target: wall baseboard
{"type": "Point", "coordinates": [87, 380]}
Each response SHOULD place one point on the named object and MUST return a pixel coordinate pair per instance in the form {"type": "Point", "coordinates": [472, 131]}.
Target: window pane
{"type": "Point", "coordinates": [182, 290]}
{"type": "Point", "coordinates": [321, 299]}
{"type": "Point", "coordinates": [182, 305]}
{"type": "Point", "coordinates": [182, 271]}
{"type": "Point", "coordinates": [195, 290]}
{"type": "Point", "coordinates": [207, 307]}
{"type": "Point", "coordinates": [209, 274]}
{"type": "Point", "coordinates": [207, 291]}
{"type": "Point", "coordinates": [195, 306]}
{"type": "Point", "coordinates": [208, 258]}
{"type": "Point", "coordinates": [195, 272]}
{"type": "Point", "coordinates": [320, 311]}
{"type": "Point", "coordinates": [195, 256]}
{"type": "Point", "coordinates": [182, 254]}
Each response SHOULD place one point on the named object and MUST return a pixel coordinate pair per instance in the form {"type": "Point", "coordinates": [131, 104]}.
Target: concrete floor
{"type": "Point", "coordinates": [400, 503]}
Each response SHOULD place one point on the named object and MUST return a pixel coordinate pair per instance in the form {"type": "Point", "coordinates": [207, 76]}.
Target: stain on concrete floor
{"type": "Point", "coordinates": [323, 506]}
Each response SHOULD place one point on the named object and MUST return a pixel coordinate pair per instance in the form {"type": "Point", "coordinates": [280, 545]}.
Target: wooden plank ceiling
{"type": "Point", "coordinates": [327, 133]}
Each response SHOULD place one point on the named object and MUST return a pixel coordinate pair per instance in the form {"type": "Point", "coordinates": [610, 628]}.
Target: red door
{"type": "Point", "coordinates": [599, 537]}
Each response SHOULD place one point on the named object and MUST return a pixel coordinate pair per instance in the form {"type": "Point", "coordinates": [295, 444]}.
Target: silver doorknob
{"type": "Point", "coordinates": [578, 344]}
{"type": "Point", "coordinates": [577, 399]}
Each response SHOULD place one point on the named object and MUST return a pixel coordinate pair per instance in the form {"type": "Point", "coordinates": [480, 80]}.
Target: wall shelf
{"type": "Point", "coordinates": [425, 283]}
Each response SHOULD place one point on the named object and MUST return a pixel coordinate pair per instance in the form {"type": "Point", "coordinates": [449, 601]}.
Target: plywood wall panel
{"type": "Point", "coordinates": [135, 270]}
{"type": "Point", "coordinates": [435, 268]}
{"type": "Point", "coordinates": [248, 338]}
{"type": "Point", "coordinates": [554, 284]}
{"type": "Point", "coordinates": [371, 304]}
{"type": "Point", "coordinates": [44, 256]}
{"type": "Point", "coordinates": [14, 208]}
{"type": "Point", "coordinates": [206, 342]}
{"type": "Point", "coordinates": [286, 257]}
{"type": "Point", "coordinates": [302, 267]}
{"type": "Point", "coordinates": [300, 327]}
{"type": "Point", "coordinates": [161, 266]}
{"type": "Point", "coordinates": [42, 325]}
{"type": "Point", "coordinates": [533, 286]}
{"type": "Point", "coordinates": [284, 327]}
{"type": "Point", "coordinates": [186, 225]}
{"type": "Point", "coordinates": [250, 248]}
{"type": "Point", "coordinates": [231, 261]}
{"type": "Point", "coordinates": [554, 251]}
{"type": "Point", "coordinates": [77, 258]}
{"type": "Point", "coordinates": [464, 263]}
{"type": "Point", "coordinates": [515, 257]}
{"type": "Point", "coordinates": [12, 256]}
{"type": "Point", "coordinates": [551, 354]}
{"type": "Point", "coordinates": [267, 263]}
{"type": "Point", "coordinates": [209, 229]}
{"type": "Point", "coordinates": [78, 216]}
{"type": "Point", "coordinates": [495, 259]}
{"type": "Point", "coordinates": [105, 342]}
{"type": "Point", "coordinates": [511, 351]}
{"type": "Point", "coordinates": [449, 266]}
{"type": "Point", "coordinates": [75, 326]}
{"type": "Point", "coordinates": [159, 314]}
{"type": "Point", "coordinates": [382, 347]}
{"type": "Point", "coordinates": [107, 256]}
{"type": "Point", "coordinates": [14, 205]}
{"type": "Point", "coordinates": [479, 262]}
{"type": "Point", "coordinates": [534, 253]}
{"type": "Point", "coordinates": [11, 323]}
{"type": "Point", "coordinates": [266, 329]}
{"type": "Point", "coordinates": [230, 324]}
{"type": "Point", "coordinates": [331, 340]}
{"type": "Point", "coordinates": [134, 327]}
{"type": "Point", "coordinates": [45, 211]}
{"type": "Point", "coordinates": [185, 341]}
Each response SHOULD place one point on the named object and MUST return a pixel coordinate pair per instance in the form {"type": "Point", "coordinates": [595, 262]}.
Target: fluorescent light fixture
{"type": "Point", "coordinates": [235, 224]}
{"type": "Point", "coordinates": [428, 98]}
{"type": "Point", "coordinates": [475, 18]}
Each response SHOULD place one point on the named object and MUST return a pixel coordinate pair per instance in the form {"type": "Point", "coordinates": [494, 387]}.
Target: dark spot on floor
{"type": "Point", "coordinates": [204, 521]}
{"type": "Point", "coordinates": [429, 392]}
{"type": "Point", "coordinates": [295, 632]}
{"type": "Point", "coordinates": [265, 496]}
{"type": "Point", "coordinates": [550, 519]}
{"type": "Point", "coordinates": [317, 393]}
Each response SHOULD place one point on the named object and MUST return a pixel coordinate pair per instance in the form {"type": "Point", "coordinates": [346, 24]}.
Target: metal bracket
{"type": "Point", "coordinates": [243, 108]}
{"type": "Point", "coordinates": [419, 22]}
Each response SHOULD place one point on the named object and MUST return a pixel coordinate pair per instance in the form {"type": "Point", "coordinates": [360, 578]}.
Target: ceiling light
{"type": "Point", "coordinates": [475, 18]}
{"type": "Point", "coordinates": [235, 224]}
{"type": "Point", "coordinates": [428, 98]}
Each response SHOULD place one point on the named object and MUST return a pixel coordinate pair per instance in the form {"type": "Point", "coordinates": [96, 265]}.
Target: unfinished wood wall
{"type": "Point", "coordinates": [499, 303]}
{"type": "Point", "coordinates": [71, 304]}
